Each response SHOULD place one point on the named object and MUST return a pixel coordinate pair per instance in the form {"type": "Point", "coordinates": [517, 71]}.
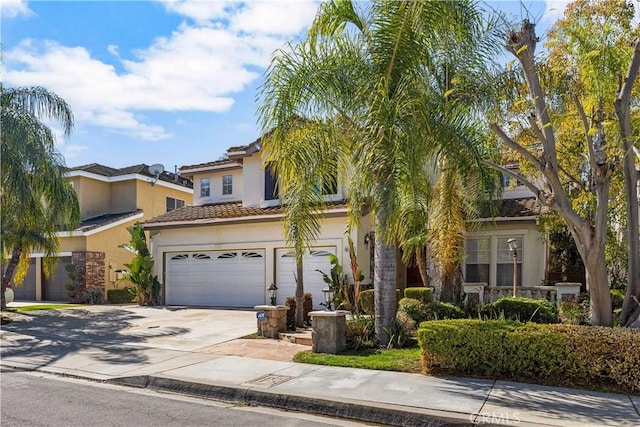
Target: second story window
{"type": "Point", "coordinates": [227, 185]}
{"type": "Point", "coordinates": [173, 203]}
{"type": "Point", "coordinates": [270, 185]}
{"type": "Point", "coordinates": [205, 187]}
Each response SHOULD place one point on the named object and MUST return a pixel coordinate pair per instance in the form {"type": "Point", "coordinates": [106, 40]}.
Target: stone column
{"type": "Point", "coordinates": [329, 331]}
{"type": "Point", "coordinates": [567, 291]}
{"type": "Point", "coordinates": [275, 320]}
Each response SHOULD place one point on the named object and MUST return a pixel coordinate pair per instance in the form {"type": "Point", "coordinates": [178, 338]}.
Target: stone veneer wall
{"type": "Point", "coordinates": [92, 267]}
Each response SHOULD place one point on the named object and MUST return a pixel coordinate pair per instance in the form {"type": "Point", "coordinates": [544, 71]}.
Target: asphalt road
{"type": "Point", "coordinates": [37, 399]}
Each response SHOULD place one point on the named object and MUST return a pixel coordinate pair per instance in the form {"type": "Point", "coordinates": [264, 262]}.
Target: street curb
{"type": "Point", "coordinates": [380, 413]}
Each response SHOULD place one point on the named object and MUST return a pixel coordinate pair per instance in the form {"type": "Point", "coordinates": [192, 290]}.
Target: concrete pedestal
{"type": "Point", "coordinates": [567, 291]}
{"type": "Point", "coordinates": [329, 331]}
{"type": "Point", "coordinates": [474, 292]}
{"type": "Point", "coordinates": [275, 320]}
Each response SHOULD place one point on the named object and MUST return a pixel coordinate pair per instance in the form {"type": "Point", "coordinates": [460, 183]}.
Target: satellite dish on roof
{"type": "Point", "coordinates": [155, 170]}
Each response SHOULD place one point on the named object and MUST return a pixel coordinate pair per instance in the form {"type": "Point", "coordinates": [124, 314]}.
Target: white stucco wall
{"type": "Point", "coordinates": [216, 195]}
{"type": "Point", "coordinates": [267, 235]}
{"type": "Point", "coordinates": [534, 251]}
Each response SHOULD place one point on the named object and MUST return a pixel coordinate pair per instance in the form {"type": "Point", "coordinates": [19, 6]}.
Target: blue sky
{"type": "Point", "coordinates": [160, 82]}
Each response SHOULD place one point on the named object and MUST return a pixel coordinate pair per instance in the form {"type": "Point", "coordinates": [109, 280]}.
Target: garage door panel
{"type": "Point", "coordinates": [231, 278]}
{"type": "Point", "coordinates": [315, 259]}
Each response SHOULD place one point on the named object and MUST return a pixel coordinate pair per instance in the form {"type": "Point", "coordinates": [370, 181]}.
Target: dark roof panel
{"type": "Point", "coordinates": [222, 211]}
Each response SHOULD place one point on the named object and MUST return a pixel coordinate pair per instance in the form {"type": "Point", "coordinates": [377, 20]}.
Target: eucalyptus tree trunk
{"type": "Point", "coordinates": [631, 304]}
{"type": "Point", "coordinates": [299, 292]}
{"type": "Point", "coordinates": [384, 287]}
{"type": "Point", "coordinates": [589, 235]}
{"type": "Point", "coordinates": [8, 273]}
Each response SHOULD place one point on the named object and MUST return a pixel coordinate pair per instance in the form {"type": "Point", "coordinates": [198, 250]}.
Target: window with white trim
{"type": "Point", "coordinates": [227, 185]}
{"type": "Point", "coordinates": [504, 262]}
{"type": "Point", "coordinates": [489, 260]}
{"type": "Point", "coordinates": [173, 203]}
{"type": "Point", "coordinates": [205, 187]}
{"type": "Point", "coordinates": [478, 251]}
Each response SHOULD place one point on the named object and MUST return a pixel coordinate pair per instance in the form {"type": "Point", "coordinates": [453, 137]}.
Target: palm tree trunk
{"type": "Point", "coordinates": [421, 260]}
{"type": "Point", "coordinates": [299, 293]}
{"type": "Point", "coordinates": [16, 253]}
{"type": "Point", "coordinates": [384, 286]}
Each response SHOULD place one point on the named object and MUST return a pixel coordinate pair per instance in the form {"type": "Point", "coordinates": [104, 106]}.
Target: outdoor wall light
{"type": "Point", "coordinates": [272, 291]}
{"type": "Point", "coordinates": [367, 237]}
{"type": "Point", "coordinates": [328, 298]}
{"type": "Point", "coordinates": [513, 248]}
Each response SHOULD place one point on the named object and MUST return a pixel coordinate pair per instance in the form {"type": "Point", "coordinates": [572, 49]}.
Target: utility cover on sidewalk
{"type": "Point", "coordinates": [270, 380]}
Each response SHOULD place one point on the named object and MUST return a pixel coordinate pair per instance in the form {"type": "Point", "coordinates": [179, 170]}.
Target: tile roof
{"type": "Point", "coordinates": [102, 220]}
{"type": "Point", "coordinates": [222, 211]}
{"type": "Point", "coordinates": [518, 208]}
{"type": "Point", "coordinates": [140, 169]}
{"type": "Point", "coordinates": [224, 162]}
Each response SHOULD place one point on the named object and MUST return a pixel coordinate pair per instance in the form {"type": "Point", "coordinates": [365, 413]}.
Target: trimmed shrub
{"type": "Point", "coordinates": [94, 295]}
{"type": "Point", "coordinates": [360, 332]}
{"type": "Point", "coordinates": [291, 313]}
{"type": "Point", "coordinates": [307, 307]}
{"type": "Point", "coordinates": [521, 309]}
{"type": "Point", "coordinates": [566, 355]}
{"type": "Point", "coordinates": [367, 302]}
{"type": "Point", "coordinates": [443, 310]}
{"type": "Point", "coordinates": [420, 293]}
{"type": "Point", "coordinates": [413, 308]}
{"type": "Point", "coordinates": [119, 296]}
{"type": "Point", "coordinates": [401, 331]}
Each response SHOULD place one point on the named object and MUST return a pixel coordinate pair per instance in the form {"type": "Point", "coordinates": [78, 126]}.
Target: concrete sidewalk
{"type": "Point", "coordinates": [370, 396]}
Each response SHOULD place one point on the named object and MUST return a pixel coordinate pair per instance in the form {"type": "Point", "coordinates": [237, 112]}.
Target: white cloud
{"type": "Point", "coordinates": [13, 8]}
{"type": "Point", "coordinates": [195, 68]}
{"type": "Point", "coordinates": [555, 9]}
{"type": "Point", "coordinates": [275, 17]}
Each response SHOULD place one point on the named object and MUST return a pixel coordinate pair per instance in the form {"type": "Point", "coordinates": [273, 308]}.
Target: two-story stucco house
{"type": "Point", "coordinates": [228, 247]}
{"type": "Point", "coordinates": [111, 200]}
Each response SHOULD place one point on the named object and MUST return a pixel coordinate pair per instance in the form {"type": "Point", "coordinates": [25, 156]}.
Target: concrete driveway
{"type": "Point", "coordinates": [171, 328]}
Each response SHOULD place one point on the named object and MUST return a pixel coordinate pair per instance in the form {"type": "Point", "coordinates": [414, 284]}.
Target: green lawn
{"type": "Point", "coordinates": [41, 307]}
{"type": "Point", "coordinates": [401, 360]}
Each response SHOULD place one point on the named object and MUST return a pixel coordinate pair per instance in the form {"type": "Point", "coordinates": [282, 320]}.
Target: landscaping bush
{"type": "Point", "coordinates": [119, 296]}
{"type": "Point", "coordinates": [291, 313]}
{"type": "Point", "coordinates": [366, 301]}
{"type": "Point", "coordinates": [360, 332]}
{"type": "Point", "coordinates": [521, 309]}
{"type": "Point", "coordinates": [564, 355]}
{"type": "Point", "coordinates": [402, 331]}
{"type": "Point", "coordinates": [307, 307]}
{"type": "Point", "coordinates": [93, 295]}
{"type": "Point", "coordinates": [422, 294]}
{"type": "Point", "coordinates": [573, 313]}
{"type": "Point", "coordinates": [415, 309]}
{"type": "Point", "coordinates": [443, 310]}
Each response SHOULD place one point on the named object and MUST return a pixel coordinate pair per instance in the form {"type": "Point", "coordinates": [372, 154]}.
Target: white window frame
{"type": "Point", "coordinates": [177, 203]}
{"type": "Point", "coordinates": [227, 185]}
{"type": "Point", "coordinates": [497, 255]}
{"type": "Point", "coordinates": [205, 187]}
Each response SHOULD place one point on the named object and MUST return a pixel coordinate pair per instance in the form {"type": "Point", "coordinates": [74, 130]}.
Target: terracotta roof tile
{"type": "Point", "coordinates": [221, 211]}
{"type": "Point", "coordinates": [224, 162]}
{"type": "Point", "coordinates": [140, 169]}
{"type": "Point", "coordinates": [523, 207]}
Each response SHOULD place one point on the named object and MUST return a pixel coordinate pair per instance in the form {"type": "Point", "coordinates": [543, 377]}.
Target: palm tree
{"type": "Point", "coordinates": [35, 197]}
{"type": "Point", "coordinates": [363, 83]}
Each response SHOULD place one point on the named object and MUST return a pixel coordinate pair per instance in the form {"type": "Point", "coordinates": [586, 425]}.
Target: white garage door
{"type": "Point", "coordinates": [215, 278]}
{"type": "Point", "coordinates": [315, 259]}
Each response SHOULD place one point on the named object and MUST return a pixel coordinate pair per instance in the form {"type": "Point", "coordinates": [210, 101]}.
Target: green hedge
{"type": "Point", "coordinates": [119, 296]}
{"type": "Point", "coordinates": [413, 308]}
{"type": "Point", "coordinates": [565, 355]}
{"type": "Point", "coordinates": [421, 294]}
{"type": "Point", "coordinates": [521, 309]}
{"type": "Point", "coordinates": [444, 310]}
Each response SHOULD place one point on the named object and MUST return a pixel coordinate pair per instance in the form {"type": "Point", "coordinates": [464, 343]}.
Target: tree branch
{"type": "Point", "coordinates": [586, 126]}
{"type": "Point", "coordinates": [515, 146]}
{"type": "Point", "coordinates": [534, 189]}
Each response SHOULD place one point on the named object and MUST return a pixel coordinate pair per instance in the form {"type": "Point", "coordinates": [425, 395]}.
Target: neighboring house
{"type": "Point", "coordinates": [111, 200]}
{"type": "Point", "coordinates": [228, 247]}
